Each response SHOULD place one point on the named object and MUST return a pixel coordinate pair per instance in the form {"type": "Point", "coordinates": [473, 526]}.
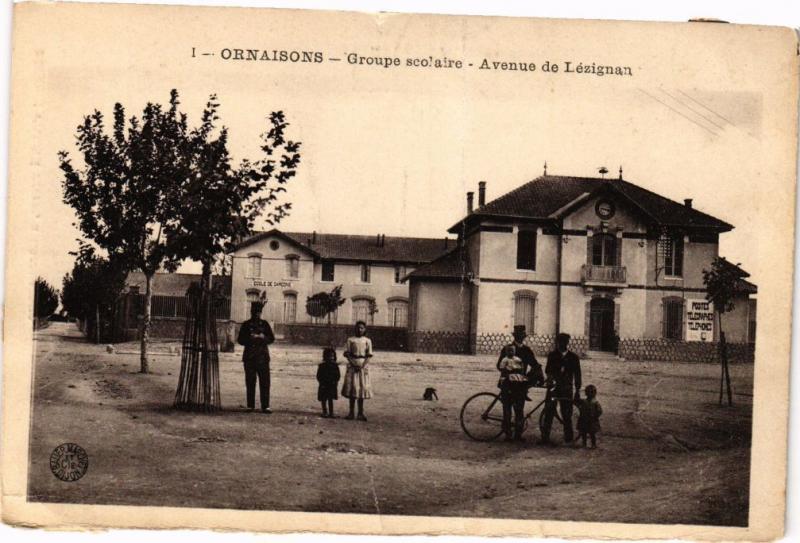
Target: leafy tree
{"type": "Point", "coordinates": [124, 192]}
{"type": "Point", "coordinates": [45, 300]}
{"type": "Point", "coordinates": [91, 291]}
{"type": "Point", "coordinates": [323, 305]}
{"type": "Point", "coordinates": [722, 282]}
{"type": "Point", "coordinates": [217, 206]}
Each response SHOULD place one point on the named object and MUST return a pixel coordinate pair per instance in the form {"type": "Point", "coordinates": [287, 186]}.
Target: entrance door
{"type": "Point", "coordinates": [601, 324]}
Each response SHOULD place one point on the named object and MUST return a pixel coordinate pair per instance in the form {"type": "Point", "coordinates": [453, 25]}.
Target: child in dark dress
{"type": "Point", "coordinates": [328, 377]}
{"type": "Point", "coordinates": [589, 416]}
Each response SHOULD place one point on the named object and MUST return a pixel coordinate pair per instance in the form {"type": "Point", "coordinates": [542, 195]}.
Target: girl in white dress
{"type": "Point", "coordinates": [356, 386]}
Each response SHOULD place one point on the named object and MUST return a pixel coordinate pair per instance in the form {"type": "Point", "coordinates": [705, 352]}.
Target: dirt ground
{"type": "Point", "coordinates": [667, 452]}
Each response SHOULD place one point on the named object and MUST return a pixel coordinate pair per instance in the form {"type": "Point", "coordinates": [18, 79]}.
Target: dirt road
{"type": "Point", "coordinates": [667, 453]}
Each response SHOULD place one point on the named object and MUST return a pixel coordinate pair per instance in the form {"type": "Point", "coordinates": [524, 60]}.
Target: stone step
{"type": "Point", "coordinates": [604, 356]}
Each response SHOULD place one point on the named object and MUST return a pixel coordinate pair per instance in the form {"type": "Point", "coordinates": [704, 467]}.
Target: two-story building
{"type": "Point", "coordinates": [288, 267]}
{"type": "Point", "coordinates": [600, 259]}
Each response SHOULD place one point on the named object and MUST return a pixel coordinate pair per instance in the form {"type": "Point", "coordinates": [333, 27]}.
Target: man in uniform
{"type": "Point", "coordinates": [256, 335]}
{"type": "Point", "coordinates": [515, 401]}
{"type": "Point", "coordinates": [563, 371]}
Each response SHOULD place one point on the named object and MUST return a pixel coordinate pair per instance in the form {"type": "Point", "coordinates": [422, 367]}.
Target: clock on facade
{"type": "Point", "coordinates": [605, 209]}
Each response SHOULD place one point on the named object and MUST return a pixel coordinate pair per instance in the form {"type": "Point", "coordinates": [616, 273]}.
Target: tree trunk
{"type": "Point", "coordinates": [97, 323]}
{"type": "Point", "coordinates": [725, 376]}
{"type": "Point", "coordinates": [145, 363]}
{"type": "Point", "coordinates": [198, 384]}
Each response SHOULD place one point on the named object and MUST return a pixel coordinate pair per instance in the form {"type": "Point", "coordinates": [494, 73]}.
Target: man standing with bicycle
{"type": "Point", "coordinates": [563, 372]}
{"type": "Point", "coordinates": [514, 384]}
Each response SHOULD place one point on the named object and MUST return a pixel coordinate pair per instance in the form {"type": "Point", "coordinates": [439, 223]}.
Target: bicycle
{"type": "Point", "coordinates": [482, 414]}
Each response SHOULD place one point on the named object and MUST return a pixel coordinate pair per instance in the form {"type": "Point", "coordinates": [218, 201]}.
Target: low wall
{"type": "Point", "coordinates": [384, 338]}
{"type": "Point", "coordinates": [173, 328]}
{"type": "Point", "coordinates": [666, 350]}
{"type": "Point", "coordinates": [439, 342]}
{"type": "Point", "coordinates": [539, 344]}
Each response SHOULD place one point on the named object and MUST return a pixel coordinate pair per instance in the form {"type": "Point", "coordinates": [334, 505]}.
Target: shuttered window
{"type": "Point", "coordinates": [525, 311]}
{"type": "Point", "coordinates": [673, 319]}
{"type": "Point", "coordinates": [292, 267]}
{"type": "Point", "coordinates": [289, 307]}
{"type": "Point", "coordinates": [398, 313]}
{"type": "Point", "coordinates": [362, 311]}
{"type": "Point", "coordinates": [254, 266]}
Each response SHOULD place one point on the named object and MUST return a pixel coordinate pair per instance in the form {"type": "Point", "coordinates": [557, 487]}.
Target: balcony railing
{"type": "Point", "coordinates": [611, 275]}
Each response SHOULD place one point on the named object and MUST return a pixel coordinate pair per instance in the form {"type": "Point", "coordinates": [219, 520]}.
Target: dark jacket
{"type": "Point", "coordinates": [328, 376]}
{"type": "Point", "coordinates": [564, 371]}
{"type": "Point", "coordinates": [532, 367]}
{"type": "Point", "coordinates": [589, 415]}
{"type": "Point", "coordinates": [256, 350]}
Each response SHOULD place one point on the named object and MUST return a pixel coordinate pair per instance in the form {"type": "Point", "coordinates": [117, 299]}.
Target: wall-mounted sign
{"type": "Point", "coordinates": [265, 283]}
{"type": "Point", "coordinates": [699, 320]}
{"type": "Point", "coordinates": [605, 209]}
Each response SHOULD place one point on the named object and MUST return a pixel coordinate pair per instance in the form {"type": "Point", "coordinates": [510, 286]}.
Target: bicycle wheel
{"type": "Point", "coordinates": [482, 417]}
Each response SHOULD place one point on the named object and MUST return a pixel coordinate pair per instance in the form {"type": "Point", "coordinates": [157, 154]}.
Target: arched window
{"type": "Point", "coordinates": [398, 313]}
{"type": "Point", "coordinates": [289, 307]}
{"type": "Point", "coordinates": [254, 265]}
{"type": "Point", "coordinates": [292, 266]}
{"type": "Point", "coordinates": [363, 310]}
{"type": "Point", "coordinates": [672, 322]}
{"type": "Point", "coordinates": [525, 310]}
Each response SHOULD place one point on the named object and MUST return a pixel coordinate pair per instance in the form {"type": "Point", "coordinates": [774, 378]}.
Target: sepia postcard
{"type": "Point", "coordinates": [306, 271]}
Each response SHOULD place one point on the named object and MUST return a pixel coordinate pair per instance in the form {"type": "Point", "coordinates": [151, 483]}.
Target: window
{"type": "Point", "coordinates": [604, 250]}
{"type": "Point", "coordinates": [254, 267]}
{"type": "Point", "coordinates": [526, 250]}
{"type": "Point", "coordinates": [327, 270]}
{"type": "Point", "coordinates": [399, 273]}
{"type": "Point", "coordinates": [673, 318]}
{"type": "Point", "coordinates": [289, 307]}
{"type": "Point", "coordinates": [363, 310]}
{"type": "Point", "coordinates": [525, 310]}
{"type": "Point", "coordinates": [673, 257]}
{"type": "Point", "coordinates": [292, 266]}
{"type": "Point", "coordinates": [365, 273]}
{"type": "Point", "coordinates": [398, 313]}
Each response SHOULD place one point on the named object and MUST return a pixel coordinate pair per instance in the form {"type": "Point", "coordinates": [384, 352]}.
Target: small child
{"type": "Point", "coordinates": [328, 377]}
{"type": "Point", "coordinates": [589, 415]}
{"type": "Point", "coordinates": [511, 365]}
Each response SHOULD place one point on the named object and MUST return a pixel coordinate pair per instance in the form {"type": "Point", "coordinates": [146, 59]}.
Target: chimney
{"type": "Point", "coordinates": [378, 240]}
{"type": "Point", "coordinates": [470, 196]}
{"type": "Point", "coordinates": [687, 202]}
{"type": "Point", "coordinates": [383, 240]}
{"type": "Point", "coordinates": [482, 194]}
{"type": "Point", "coordinates": [314, 236]}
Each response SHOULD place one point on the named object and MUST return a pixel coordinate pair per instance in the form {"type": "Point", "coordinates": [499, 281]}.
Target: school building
{"type": "Point", "coordinates": [291, 266]}
{"type": "Point", "coordinates": [613, 264]}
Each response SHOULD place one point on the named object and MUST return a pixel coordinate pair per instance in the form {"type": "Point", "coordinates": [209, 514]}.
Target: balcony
{"type": "Point", "coordinates": [604, 276]}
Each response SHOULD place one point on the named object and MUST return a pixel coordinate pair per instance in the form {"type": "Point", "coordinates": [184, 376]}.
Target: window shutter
{"type": "Point", "coordinates": [589, 247]}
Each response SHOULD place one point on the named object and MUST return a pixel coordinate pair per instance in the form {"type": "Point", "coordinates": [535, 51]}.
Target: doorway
{"type": "Point", "coordinates": [601, 324]}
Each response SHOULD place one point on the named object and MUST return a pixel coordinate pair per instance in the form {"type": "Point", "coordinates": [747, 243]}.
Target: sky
{"type": "Point", "coordinates": [394, 151]}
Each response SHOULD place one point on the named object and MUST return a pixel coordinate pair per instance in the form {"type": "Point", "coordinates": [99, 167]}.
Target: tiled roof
{"type": "Point", "coordinates": [363, 248]}
{"type": "Point", "coordinates": [173, 284]}
{"type": "Point", "coordinates": [453, 265]}
{"type": "Point", "coordinates": [742, 285]}
{"type": "Point", "coordinates": [546, 195]}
